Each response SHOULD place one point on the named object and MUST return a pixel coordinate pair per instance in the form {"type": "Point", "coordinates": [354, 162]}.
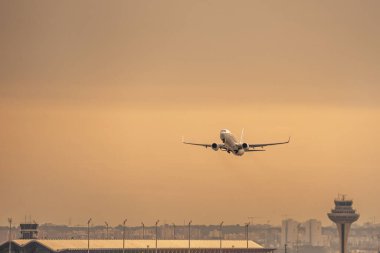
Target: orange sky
{"type": "Point", "coordinates": [95, 96]}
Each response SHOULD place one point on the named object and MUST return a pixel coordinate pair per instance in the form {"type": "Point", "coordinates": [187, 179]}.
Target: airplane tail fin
{"type": "Point", "coordinates": [241, 136]}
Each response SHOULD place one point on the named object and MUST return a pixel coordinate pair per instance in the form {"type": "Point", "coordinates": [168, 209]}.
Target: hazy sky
{"type": "Point", "coordinates": [95, 96]}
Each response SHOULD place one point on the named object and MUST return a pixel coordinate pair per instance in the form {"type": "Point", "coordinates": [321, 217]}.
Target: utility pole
{"type": "Point", "coordinates": [125, 221]}
{"type": "Point", "coordinates": [173, 231]}
{"type": "Point", "coordinates": [88, 235]}
{"type": "Point", "coordinates": [10, 234]}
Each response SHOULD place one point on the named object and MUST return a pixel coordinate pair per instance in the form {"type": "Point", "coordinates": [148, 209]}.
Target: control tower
{"type": "Point", "coordinates": [343, 216]}
{"type": "Point", "coordinates": [29, 230]}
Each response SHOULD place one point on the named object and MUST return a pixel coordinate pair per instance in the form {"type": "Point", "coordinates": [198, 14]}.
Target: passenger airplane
{"type": "Point", "coordinates": [230, 144]}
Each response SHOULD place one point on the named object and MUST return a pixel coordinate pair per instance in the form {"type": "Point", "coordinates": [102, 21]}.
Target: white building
{"type": "Point", "coordinates": [313, 232]}
{"type": "Point", "coordinates": [289, 232]}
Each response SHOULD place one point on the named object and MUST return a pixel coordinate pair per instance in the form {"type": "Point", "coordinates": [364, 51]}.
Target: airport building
{"type": "Point", "coordinates": [133, 246]}
{"type": "Point", "coordinates": [29, 230]}
{"type": "Point", "coordinates": [343, 215]}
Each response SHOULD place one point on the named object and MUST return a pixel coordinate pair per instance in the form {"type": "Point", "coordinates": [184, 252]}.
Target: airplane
{"type": "Point", "coordinates": [231, 145]}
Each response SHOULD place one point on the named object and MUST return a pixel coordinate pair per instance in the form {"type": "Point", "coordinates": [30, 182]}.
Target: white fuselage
{"type": "Point", "coordinates": [230, 142]}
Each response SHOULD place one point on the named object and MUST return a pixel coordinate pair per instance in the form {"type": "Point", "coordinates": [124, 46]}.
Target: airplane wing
{"type": "Point", "coordinates": [220, 146]}
{"type": "Point", "coordinates": [268, 144]}
{"type": "Point", "coordinates": [198, 144]}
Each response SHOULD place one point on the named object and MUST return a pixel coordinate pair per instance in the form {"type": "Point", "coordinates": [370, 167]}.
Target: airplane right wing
{"type": "Point", "coordinates": [214, 146]}
{"type": "Point", "coordinates": [198, 144]}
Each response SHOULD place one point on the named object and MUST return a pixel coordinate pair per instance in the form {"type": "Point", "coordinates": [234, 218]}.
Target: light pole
{"type": "Point", "coordinates": [220, 235]}
{"type": "Point", "coordinates": [125, 221]}
{"type": "Point", "coordinates": [173, 231]}
{"type": "Point", "coordinates": [143, 230]}
{"type": "Point", "coordinates": [88, 235]}
{"type": "Point", "coordinates": [10, 234]}
{"type": "Point", "coordinates": [106, 229]}
{"type": "Point", "coordinates": [246, 232]}
{"type": "Point", "coordinates": [156, 233]}
{"type": "Point", "coordinates": [189, 234]}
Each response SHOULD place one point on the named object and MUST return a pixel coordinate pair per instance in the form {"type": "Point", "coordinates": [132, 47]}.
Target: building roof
{"type": "Point", "coordinates": [59, 245]}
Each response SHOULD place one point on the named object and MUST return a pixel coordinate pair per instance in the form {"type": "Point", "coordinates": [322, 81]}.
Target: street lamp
{"type": "Point", "coordinates": [143, 230]}
{"type": "Point", "coordinates": [10, 234]}
{"type": "Point", "coordinates": [88, 235]}
{"type": "Point", "coordinates": [246, 232]}
{"type": "Point", "coordinates": [106, 229]}
{"type": "Point", "coordinates": [220, 235]}
{"type": "Point", "coordinates": [125, 221]}
{"type": "Point", "coordinates": [156, 233]}
{"type": "Point", "coordinates": [173, 231]}
{"type": "Point", "coordinates": [189, 234]}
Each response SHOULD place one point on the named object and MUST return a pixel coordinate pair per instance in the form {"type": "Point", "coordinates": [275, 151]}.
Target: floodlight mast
{"type": "Point", "coordinates": [189, 233]}
{"type": "Point", "coordinates": [221, 235]}
{"type": "Point", "coordinates": [156, 233]}
{"type": "Point", "coordinates": [143, 230]}
{"type": "Point", "coordinates": [106, 229]}
{"type": "Point", "coordinates": [88, 235]}
{"type": "Point", "coordinates": [246, 232]}
{"type": "Point", "coordinates": [173, 230]}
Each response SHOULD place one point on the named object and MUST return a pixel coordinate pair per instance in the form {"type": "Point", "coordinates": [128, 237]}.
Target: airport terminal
{"type": "Point", "coordinates": [29, 243]}
{"type": "Point", "coordinates": [133, 246]}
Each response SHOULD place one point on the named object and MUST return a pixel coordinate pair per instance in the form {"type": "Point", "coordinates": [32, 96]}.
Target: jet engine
{"type": "Point", "coordinates": [215, 146]}
{"type": "Point", "coordinates": [245, 146]}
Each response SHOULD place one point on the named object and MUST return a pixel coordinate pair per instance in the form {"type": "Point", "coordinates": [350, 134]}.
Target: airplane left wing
{"type": "Point", "coordinates": [268, 144]}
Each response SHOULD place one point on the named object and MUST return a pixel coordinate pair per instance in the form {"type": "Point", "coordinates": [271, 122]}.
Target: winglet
{"type": "Point", "coordinates": [288, 139]}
